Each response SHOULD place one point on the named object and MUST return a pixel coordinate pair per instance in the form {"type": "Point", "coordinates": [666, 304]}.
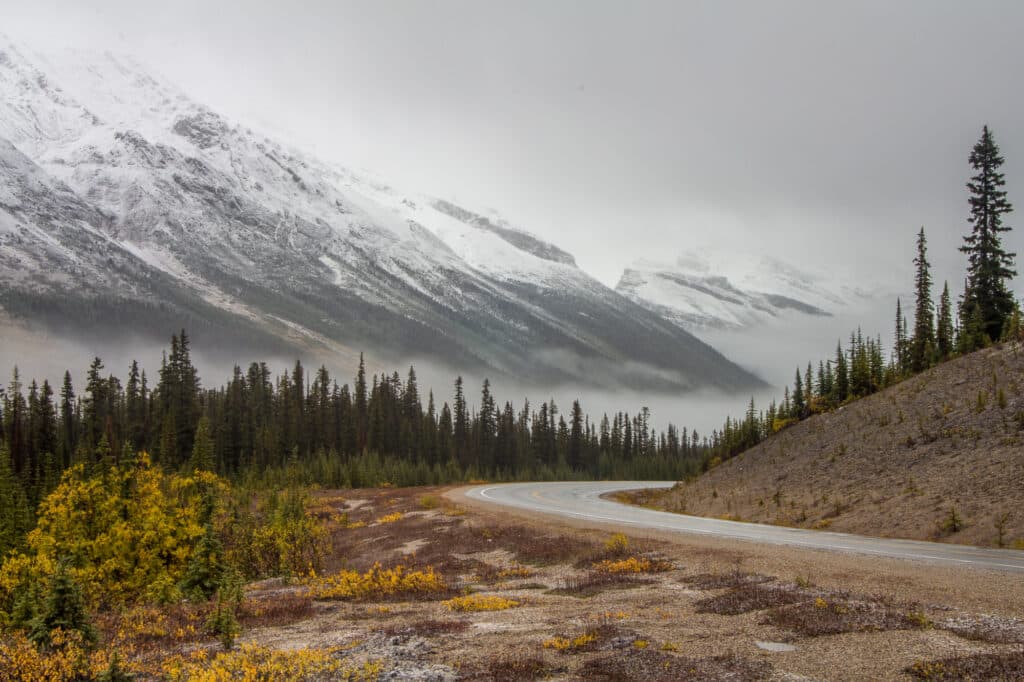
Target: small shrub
{"type": "Point", "coordinates": [429, 502]}
{"type": "Point", "coordinates": [390, 518]}
{"type": "Point", "coordinates": [262, 663]}
{"type": "Point", "coordinates": [377, 582]}
{"type": "Point", "coordinates": [617, 545]}
{"type": "Point", "coordinates": [515, 572]}
{"type": "Point", "coordinates": [632, 565]}
{"type": "Point", "coordinates": [1000, 523]}
{"type": "Point", "coordinates": [576, 644]}
{"type": "Point", "coordinates": [952, 523]}
{"type": "Point", "coordinates": [480, 602]}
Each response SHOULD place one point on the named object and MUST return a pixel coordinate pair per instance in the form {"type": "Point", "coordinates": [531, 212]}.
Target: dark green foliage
{"type": "Point", "coordinates": [114, 671]}
{"type": "Point", "coordinates": [15, 514]}
{"type": "Point", "coordinates": [223, 620]}
{"type": "Point", "coordinates": [989, 265]}
{"type": "Point", "coordinates": [922, 345]}
{"type": "Point", "coordinates": [62, 607]}
{"type": "Point", "coordinates": [205, 571]}
{"type": "Point", "coordinates": [944, 332]}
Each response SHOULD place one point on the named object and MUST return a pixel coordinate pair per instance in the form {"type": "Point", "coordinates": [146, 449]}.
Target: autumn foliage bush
{"type": "Point", "coordinates": [376, 583]}
{"type": "Point", "coordinates": [127, 534]}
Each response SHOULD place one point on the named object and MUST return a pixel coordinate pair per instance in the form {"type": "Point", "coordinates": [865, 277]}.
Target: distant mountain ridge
{"type": "Point", "coordinates": [708, 290]}
{"type": "Point", "coordinates": [126, 207]}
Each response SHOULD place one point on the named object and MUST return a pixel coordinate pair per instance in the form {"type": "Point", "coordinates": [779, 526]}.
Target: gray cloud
{"type": "Point", "coordinates": [810, 130]}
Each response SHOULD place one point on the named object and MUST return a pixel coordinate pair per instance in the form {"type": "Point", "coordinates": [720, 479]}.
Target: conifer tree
{"type": "Point", "coordinates": [576, 462]}
{"type": "Point", "coordinates": [460, 418]}
{"type": "Point", "coordinates": [899, 350]}
{"type": "Point", "coordinates": [989, 265]}
{"type": "Point", "coordinates": [63, 608]}
{"type": "Point", "coordinates": [799, 404]}
{"type": "Point", "coordinates": [68, 435]}
{"type": "Point", "coordinates": [841, 384]}
{"type": "Point", "coordinates": [944, 328]}
{"type": "Point", "coordinates": [202, 449]}
{"type": "Point", "coordinates": [922, 346]}
{"type": "Point", "coordinates": [15, 516]}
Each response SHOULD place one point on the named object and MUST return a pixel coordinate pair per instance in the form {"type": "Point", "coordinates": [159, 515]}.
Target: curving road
{"type": "Point", "coordinates": [582, 500]}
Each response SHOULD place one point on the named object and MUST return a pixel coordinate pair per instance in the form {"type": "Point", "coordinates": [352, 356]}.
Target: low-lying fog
{"type": "Point", "coordinates": [772, 351]}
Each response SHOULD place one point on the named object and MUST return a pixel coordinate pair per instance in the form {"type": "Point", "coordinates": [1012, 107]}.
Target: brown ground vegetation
{"type": "Point", "coordinates": [939, 456]}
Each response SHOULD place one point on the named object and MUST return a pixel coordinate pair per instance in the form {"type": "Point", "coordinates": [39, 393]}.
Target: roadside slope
{"type": "Point", "coordinates": [895, 464]}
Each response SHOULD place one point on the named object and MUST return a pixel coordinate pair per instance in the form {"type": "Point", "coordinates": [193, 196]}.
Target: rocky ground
{"type": "Point", "coordinates": [588, 603]}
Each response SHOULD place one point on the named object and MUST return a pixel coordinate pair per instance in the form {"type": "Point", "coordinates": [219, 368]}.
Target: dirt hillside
{"type": "Point", "coordinates": [901, 463]}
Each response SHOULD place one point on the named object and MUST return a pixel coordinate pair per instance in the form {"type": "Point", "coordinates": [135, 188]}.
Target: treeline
{"type": "Point", "coordinates": [375, 431]}
{"type": "Point", "coordinates": [987, 312]}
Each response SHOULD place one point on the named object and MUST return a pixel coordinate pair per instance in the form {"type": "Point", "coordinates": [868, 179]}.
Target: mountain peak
{"type": "Point", "coordinates": [204, 223]}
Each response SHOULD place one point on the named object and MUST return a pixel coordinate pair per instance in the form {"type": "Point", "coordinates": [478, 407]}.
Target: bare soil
{"type": "Point", "coordinates": [901, 463]}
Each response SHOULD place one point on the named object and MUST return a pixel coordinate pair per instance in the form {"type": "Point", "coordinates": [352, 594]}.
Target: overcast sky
{"type": "Point", "coordinates": [618, 130]}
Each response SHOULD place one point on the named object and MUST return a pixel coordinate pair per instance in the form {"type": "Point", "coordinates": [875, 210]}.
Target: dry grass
{"type": "Point", "coordinates": [717, 581]}
{"type": "Point", "coordinates": [596, 582]}
{"type": "Point", "coordinates": [1000, 666]}
{"type": "Point", "coordinates": [510, 668]}
{"type": "Point", "coordinates": [275, 610]}
{"type": "Point", "coordinates": [893, 464]}
{"type": "Point", "coordinates": [752, 597]}
{"type": "Point", "coordinates": [824, 617]}
{"type": "Point", "coordinates": [654, 666]}
{"type": "Point", "coordinates": [425, 628]}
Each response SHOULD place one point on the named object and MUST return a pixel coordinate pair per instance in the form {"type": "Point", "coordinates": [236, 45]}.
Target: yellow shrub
{"type": "Point", "coordinates": [565, 644]}
{"type": "Point", "coordinates": [632, 565]}
{"type": "Point", "coordinates": [390, 518]}
{"type": "Point", "coordinates": [377, 582]}
{"type": "Point", "coordinates": [640, 644]}
{"type": "Point", "coordinates": [128, 533]}
{"type": "Point", "coordinates": [255, 662]}
{"type": "Point", "coordinates": [617, 544]}
{"type": "Point", "coordinates": [480, 602]}
{"type": "Point", "coordinates": [21, 661]}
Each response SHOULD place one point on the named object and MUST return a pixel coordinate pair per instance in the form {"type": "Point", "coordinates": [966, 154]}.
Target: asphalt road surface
{"type": "Point", "coordinates": [582, 500]}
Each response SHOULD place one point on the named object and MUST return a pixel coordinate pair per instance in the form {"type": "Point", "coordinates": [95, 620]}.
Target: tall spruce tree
{"type": "Point", "coordinates": [944, 328]}
{"type": "Point", "coordinates": [899, 351]}
{"type": "Point", "coordinates": [989, 265]}
{"type": "Point", "coordinates": [922, 345]}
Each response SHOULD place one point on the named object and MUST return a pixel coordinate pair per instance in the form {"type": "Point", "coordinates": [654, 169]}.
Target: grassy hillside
{"type": "Point", "coordinates": [894, 464]}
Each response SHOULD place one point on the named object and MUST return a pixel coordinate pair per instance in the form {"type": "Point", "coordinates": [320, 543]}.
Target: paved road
{"type": "Point", "coordinates": [583, 501]}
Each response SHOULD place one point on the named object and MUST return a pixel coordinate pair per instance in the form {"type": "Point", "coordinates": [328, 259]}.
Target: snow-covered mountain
{"type": "Point", "coordinates": [706, 290]}
{"type": "Point", "coordinates": [127, 207]}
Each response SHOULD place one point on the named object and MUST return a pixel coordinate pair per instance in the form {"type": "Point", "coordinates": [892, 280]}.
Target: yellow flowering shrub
{"type": "Point", "coordinates": [480, 602]}
{"type": "Point", "coordinates": [632, 565]}
{"type": "Point", "coordinates": [390, 518]}
{"type": "Point", "coordinates": [377, 582]}
{"type": "Point", "coordinates": [128, 533]}
{"type": "Point", "coordinates": [255, 662]}
{"type": "Point", "coordinates": [564, 644]}
{"type": "Point", "coordinates": [617, 544]}
{"type": "Point", "coordinates": [67, 661]}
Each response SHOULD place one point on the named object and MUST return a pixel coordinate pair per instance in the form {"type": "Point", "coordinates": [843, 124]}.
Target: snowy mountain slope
{"type": "Point", "coordinates": [145, 199]}
{"type": "Point", "coordinates": [706, 290]}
